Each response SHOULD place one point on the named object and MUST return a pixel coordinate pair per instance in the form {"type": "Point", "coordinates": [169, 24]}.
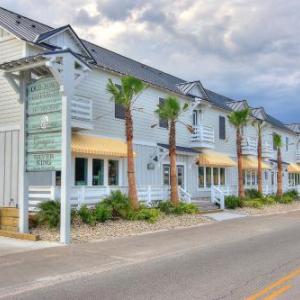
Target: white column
{"type": "Point", "coordinates": [90, 172]}
{"type": "Point", "coordinates": [23, 179]}
{"type": "Point", "coordinates": [68, 81]}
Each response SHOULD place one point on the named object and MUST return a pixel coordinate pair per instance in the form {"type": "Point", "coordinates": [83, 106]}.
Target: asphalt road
{"type": "Point", "coordinates": [250, 258]}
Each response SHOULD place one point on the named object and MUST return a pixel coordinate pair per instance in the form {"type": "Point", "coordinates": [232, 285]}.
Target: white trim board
{"type": "Point", "coordinates": [9, 128]}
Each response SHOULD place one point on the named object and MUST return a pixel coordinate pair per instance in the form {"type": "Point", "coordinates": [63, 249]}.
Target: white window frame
{"type": "Point", "coordinates": [90, 169]}
{"type": "Point", "coordinates": [165, 162]}
{"type": "Point", "coordinates": [205, 188]}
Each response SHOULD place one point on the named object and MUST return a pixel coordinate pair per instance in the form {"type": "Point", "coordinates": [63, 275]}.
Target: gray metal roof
{"type": "Point", "coordinates": [30, 30]}
{"type": "Point", "coordinates": [180, 149]}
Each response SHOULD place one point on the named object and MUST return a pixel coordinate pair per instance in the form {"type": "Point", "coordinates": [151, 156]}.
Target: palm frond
{"type": "Point", "coordinates": [277, 140]}
{"type": "Point", "coordinates": [239, 118]}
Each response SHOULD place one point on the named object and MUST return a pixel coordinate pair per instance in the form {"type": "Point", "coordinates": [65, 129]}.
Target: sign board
{"type": "Point", "coordinates": [43, 126]}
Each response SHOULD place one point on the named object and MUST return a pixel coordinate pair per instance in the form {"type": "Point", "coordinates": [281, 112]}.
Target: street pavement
{"type": "Point", "coordinates": [250, 258]}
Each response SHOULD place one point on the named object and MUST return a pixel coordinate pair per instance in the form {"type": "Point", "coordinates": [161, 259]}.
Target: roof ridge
{"type": "Point", "coordinates": [17, 14]}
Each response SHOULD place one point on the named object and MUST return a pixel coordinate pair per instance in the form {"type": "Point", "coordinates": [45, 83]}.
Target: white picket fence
{"type": "Point", "coordinates": [85, 195]}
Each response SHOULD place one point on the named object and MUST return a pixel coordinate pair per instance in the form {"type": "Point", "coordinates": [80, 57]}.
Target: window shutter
{"type": "Point", "coordinates": [163, 123]}
{"type": "Point", "coordinates": [119, 108]}
{"type": "Point", "coordinates": [222, 128]}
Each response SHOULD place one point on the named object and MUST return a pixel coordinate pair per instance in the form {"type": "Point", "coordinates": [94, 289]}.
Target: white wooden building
{"type": "Point", "coordinates": [94, 149]}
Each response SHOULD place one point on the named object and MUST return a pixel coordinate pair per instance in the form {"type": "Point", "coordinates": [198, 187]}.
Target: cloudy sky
{"type": "Point", "coordinates": [244, 49]}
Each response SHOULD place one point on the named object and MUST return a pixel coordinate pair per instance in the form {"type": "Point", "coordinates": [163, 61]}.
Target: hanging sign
{"type": "Point", "coordinates": [43, 126]}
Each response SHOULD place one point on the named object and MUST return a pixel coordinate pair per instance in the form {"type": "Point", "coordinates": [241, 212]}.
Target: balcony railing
{"type": "Point", "coordinates": [82, 113]}
{"type": "Point", "coordinates": [203, 137]}
{"type": "Point", "coordinates": [249, 147]}
{"type": "Point", "coordinates": [298, 157]}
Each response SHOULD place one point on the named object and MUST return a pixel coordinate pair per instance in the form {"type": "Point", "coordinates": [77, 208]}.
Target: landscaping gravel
{"type": "Point", "coordinates": [111, 229]}
{"type": "Point", "coordinates": [270, 210]}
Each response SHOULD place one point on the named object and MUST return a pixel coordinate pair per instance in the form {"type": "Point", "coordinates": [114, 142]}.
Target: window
{"type": "Point", "coordinates": [197, 117]}
{"type": "Point", "coordinates": [222, 176]}
{"type": "Point", "coordinates": [222, 128]}
{"type": "Point", "coordinates": [58, 178]}
{"type": "Point", "coordinates": [216, 176]}
{"type": "Point", "coordinates": [166, 175]}
{"type": "Point", "coordinates": [98, 172]}
{"type": "Point", "coordinates": [209, 175]}
{"type": "Point", "coordinates": [80, 171]}
{"type": "Point", "coordinates": [119, 108]}
{"type": "Point", "coordinates": [113, 172]}
{"type": "Point", "coordinates": [163, 123]}
{"type": "Point", "coordinates": [286, 144]}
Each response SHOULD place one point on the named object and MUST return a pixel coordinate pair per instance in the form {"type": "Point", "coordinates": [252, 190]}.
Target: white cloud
{"type": "Point", "coordinates": [243, 49]}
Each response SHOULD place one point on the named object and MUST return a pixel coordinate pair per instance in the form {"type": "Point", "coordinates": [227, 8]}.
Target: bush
{"type": "Point", "coordinates": [253, 194]}
{"type": "Point", "coordinates": [103, 212]}
{"type": "Point", "coordinates": [148, 214]}
{"type": "Point", "coordinates": [293, 194]}
{"type": "Point", "coordinates": [182, 208]}
{"type": "Point", "coordinates": [118, 203]}
{"type": "Point", "coordinates": [253, 203]}
{"type": "Point", "coordinates": [285, 199]}
{"type": "Point", "coordinates": [269, 200]}
{"type": "Point", "coordinates": [232, 202]}
{"type": "Point", "coordinates": [49, 213]}
{"type": "Point", "coordinates": [87, 215]}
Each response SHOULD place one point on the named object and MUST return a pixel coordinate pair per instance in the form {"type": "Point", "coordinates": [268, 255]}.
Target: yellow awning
{"type": "Point", "coordinates": [252, 163]}
{"type": "Point", "coordinates": [215, 159]}
{"type": "Point", "coordinates": [85, 144]}
{"type": "Point", "coordinates": [293, 168]}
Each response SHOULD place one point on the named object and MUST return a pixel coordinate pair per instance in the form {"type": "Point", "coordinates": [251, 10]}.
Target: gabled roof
{"type": "Point", "coordinates": [295, 127]}
{"type": "Point", "coordinates": [238, 105]}
{"type": "Point", "coordinates": [45, 36]}
{"type": "Point", "coordinates": [259, 113]}
{"type": "Point", "coordinates": [193, 88]}
{"type": "Point", "coordinates": [38, 33]}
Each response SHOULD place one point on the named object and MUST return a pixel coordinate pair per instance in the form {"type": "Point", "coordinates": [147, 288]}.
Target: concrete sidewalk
{"type": "Point", "coordinates": [12, 246]}
{"type": "Point", "coordinates": [32, 270]}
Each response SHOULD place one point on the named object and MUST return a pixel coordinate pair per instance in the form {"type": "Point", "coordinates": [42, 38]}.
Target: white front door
{"type": "Point", "coordinates": [180, 175]}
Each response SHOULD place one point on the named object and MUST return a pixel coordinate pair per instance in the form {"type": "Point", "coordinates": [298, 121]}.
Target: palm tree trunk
{"type": "Point", "coordinates": [259, 167]}
{"type": "Point", "coordinates": [173, 168]}
{"type": "Point", "coordinates": [132, 191]}
{"type": "Point", "coordinates": [279, 175]}
{"type": "Point", "coordinates": [241, 190]}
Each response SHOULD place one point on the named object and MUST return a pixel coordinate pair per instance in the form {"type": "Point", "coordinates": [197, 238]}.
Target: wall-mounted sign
{"type": "Point", "coordinates": [43, 125]}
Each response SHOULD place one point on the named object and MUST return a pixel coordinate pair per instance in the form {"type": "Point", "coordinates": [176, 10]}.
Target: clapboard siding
{"type": "Point", "coordinates": [9, 167]}
{"type": "Point", "coordinates": [10, 109]}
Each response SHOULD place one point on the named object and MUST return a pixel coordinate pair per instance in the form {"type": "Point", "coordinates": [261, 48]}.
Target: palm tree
{"type": "Point", "coordinates": [125, 95]}
{"type": "Point", "coordinates": [278, 144]}
{"type": "Point", "coordinates": [259, 126]}
{"type": "Point", "coordinates": [170, 110]}
{"type": "Point", "coordinates": [239, 119]}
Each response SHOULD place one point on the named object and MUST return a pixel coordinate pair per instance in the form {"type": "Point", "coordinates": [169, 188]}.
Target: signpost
{"type": "Point", "coordinates": [44, 126]}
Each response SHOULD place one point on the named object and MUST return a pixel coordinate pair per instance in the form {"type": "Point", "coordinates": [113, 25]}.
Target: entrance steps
{"type": "Point", "coordinates": [205, 205]}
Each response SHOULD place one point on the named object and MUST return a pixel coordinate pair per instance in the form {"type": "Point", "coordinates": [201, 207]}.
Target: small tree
{"type": "Point", "coordinates": [259, 126]}
{"type": "Point", "coordinates": [278, 144]}
{"type": "Point", "coordinates": [239, 119]}
{"type": "Point", "coordinates": [125, 95]}
{"type": "Point", "coordinates": [170, 110]}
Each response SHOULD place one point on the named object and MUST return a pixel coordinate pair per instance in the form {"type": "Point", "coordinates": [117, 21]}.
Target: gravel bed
{"type": "Point", "coordinates": [111, 229]}
{"type": "Point", "coordinates": [271, 209]}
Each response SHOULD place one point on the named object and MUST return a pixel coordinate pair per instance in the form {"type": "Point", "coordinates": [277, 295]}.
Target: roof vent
{"type": "Point", "coordinates": [19, 17]}
{"type": "Point", "coordinates": [18, 22]}
{"type": "Point", "coordinates": [33, 26]}
{"type": "Point", "coordinates": [93, 50]}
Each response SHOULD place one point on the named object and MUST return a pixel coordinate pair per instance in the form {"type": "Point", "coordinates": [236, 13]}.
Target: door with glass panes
{"type": "Point", "coordinates": [180, 175]}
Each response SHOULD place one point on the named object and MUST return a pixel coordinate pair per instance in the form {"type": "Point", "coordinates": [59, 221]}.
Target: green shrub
{"type": "Point", "coordinates": [182, 208]}
{"type": "Point", "coordinates": [232, 202]}
{"type": "Point", "coordinates": [269, 200]}
{"type": "Point", "coordinates": [285, 199]}
{"type": "Point", "coordinates": [49, 213]}
{"type": "Point", "coordinates": [253, 194]}
{"type": "Point", "coordinates": [103, 212]}
{"type": "Point", "coordinates": [87, 215]}
{"type": "Point", "coordinates": [119, 204]}
{"type": "Point", "coordinates": [293, 194]}
{"type": "Point", "coordinates": [253, 203]}
{"type": "Point", "coordinates": [148, 214]}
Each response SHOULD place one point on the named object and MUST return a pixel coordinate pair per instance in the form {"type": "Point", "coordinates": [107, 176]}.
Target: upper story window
{"type": "Point", "coordinates": [119, 108]}
{"type": "Point", "coordinates": [286, 144]}
{"type": "Point", "coordinates": [222, 128]}
{"type": "Point", "coordinates": [197, 117]}
{"type": "Point", "coordinates": [163, 123]}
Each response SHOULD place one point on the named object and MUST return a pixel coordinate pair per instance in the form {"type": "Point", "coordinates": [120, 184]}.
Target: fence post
{"type": "Point", "coordinates": [212, 194]}
{"type": "Point", "coordinates": [52, 192]}
{"type": "Point", "coordinates": [108, 190]}
{"type": "Point", "coordinates": [222, 201]}
{"type": "Point", "coordinates": [149, 199]}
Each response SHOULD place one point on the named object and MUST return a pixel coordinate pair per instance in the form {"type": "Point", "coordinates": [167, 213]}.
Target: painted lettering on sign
{"type": "Point", "coordinates": [43, 125]}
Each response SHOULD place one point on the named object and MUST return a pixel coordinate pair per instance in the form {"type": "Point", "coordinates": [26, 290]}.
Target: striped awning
{"type": "Point", "coordinates": [251, 163]}
{"type": "Point", "coordinates": [293, 168]}
{"type": "Point", "coordinates": [214, 159]}
{"type": "Point", "coordinates": [85, 144]}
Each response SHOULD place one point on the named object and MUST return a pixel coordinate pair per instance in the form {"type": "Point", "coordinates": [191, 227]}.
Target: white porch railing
{"type": "Point", "coordinates": [203, 136]}
{"type": "Point", "coordinates": [86, 195]}
{"type": "Point", "coordinates": [249, 147]}
{"type": "Point", "coordinates": [218, 196]}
